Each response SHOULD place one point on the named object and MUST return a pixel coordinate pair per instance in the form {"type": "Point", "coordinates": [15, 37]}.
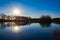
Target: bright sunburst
{"type": "Point", "coordinates": [16, 12]}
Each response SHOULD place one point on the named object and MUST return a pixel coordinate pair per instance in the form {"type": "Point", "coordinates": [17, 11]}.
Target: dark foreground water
{"type": "Point", "coordinates": [34, 31]}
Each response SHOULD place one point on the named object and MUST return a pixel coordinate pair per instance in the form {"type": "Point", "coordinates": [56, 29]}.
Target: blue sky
{"type": "Point", "coordinates": [33, 8]}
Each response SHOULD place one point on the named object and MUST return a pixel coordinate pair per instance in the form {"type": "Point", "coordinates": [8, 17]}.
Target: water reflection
{"type": "Point", "coordinates": [40, 31]}
{"type": "Point", "coordinates": [17, 25]}
{"type": "Point", "coordinates": [16, 28]}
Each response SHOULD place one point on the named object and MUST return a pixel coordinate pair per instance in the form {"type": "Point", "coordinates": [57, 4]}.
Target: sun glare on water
{"type": "Point", "coordinates": [16, 28]}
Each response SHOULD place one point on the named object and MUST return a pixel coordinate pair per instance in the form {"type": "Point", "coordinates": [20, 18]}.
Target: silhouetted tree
{"type": "Point", "coordinates": [8, 17]}
{"type": "Point", "coordinates": [3, 16]}
{"type": "Point", "coordinates": [45, 20]}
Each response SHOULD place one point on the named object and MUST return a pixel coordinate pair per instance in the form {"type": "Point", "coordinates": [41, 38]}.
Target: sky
{"type": "Point", "coordinates": [31, 8]}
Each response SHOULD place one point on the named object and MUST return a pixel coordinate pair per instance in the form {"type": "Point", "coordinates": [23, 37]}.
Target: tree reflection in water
{"type": "Point", "coordinates": [17, 25]}
{"type": "Point", "coordinates": [14, 26]}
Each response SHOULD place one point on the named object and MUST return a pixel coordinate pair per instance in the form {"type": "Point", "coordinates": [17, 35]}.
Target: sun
{"type": "Point", "coordinates": [16, 12]}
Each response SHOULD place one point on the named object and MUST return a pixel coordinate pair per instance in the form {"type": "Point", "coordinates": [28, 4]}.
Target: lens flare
{"type": "Point", "coordinates": [16, 12]}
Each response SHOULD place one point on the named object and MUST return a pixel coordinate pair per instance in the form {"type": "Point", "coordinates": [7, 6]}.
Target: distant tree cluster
{"type": "Point", "coordinates": [45, 17]}
{"type": "Point", "coordinates": [4, 16]}
{"type": "Point", "coordinates": [45, 20]}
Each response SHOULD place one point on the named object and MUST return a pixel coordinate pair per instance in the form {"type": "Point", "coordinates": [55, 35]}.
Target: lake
{"type": "Point", "coordinates": [33, 31]}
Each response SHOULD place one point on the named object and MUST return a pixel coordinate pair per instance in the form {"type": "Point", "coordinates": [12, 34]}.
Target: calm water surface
{"type": "Point", "coordinates": [34, 31]}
